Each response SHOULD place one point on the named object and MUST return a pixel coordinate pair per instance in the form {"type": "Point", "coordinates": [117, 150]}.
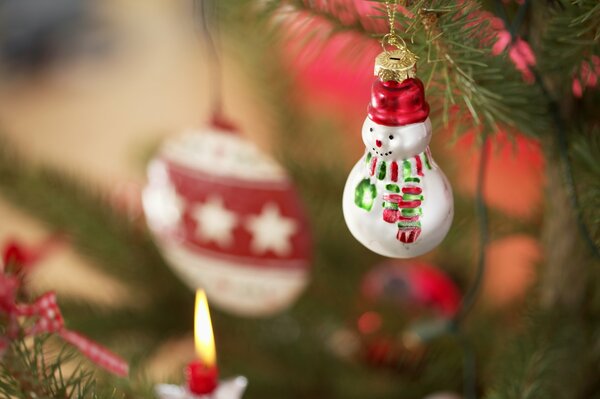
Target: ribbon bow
{"type": "Point", "coordinates": [44, 316]}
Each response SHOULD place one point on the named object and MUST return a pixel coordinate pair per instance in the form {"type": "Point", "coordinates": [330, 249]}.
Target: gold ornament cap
{"type": "Point", "coordinates": [397, 65]}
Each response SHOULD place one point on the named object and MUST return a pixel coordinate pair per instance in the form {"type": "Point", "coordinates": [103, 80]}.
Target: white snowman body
{"type": "Point", "coordinates": [397, 202]}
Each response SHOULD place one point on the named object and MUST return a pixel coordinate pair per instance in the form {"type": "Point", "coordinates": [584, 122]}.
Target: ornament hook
{"type": "Point", "coordinates": [392, 39]}
{"type": "Point", "coordinates": [398, 63]}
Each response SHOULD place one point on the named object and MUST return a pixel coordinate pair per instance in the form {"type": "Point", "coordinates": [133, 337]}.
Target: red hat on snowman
{"type": "Point", "coordinates": [398, 103]}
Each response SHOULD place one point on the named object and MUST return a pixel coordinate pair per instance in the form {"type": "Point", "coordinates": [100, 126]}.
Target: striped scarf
{"type": "Point", "coordinates": [411, 167]}
{"type": "Point", "coordinates": [404, 194]}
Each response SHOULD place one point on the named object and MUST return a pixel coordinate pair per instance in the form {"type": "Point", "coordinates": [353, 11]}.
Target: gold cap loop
{"type": "Point", "coordinates": [393, 39]}
{"type": "Point", "coordinates": [396, 65]}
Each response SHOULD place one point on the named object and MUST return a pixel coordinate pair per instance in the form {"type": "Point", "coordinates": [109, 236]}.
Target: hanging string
{"type": "Point", "coordinates": [392, 37]}
{"type": "Point", "coordinates": [391, 12]}
{"type": "Point", "coordinates": [205, 11]}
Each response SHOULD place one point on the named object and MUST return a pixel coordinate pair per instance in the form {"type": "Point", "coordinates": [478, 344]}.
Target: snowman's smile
{"type": "Point", "coordinates": [382, 154]}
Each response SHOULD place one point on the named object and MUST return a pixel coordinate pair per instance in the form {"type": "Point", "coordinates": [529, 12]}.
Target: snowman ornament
{"type": "Point", "coordinates": [397, 201]}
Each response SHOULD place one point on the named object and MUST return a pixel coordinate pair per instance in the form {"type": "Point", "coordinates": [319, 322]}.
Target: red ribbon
{"type": "Point", "coordinates": [47, 318]}
{"type": "Point", "coordinates": [44, 316]}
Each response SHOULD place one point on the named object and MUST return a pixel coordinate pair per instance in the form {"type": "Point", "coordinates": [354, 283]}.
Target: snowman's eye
{"type": "Point", "coordinates": [370, 129]}
{"type": "Point", "coordinates": [391, 137]}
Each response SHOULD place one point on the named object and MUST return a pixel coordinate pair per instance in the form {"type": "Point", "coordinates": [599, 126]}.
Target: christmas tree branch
{"type": "Point", "coordinates": [454, 41]}
{"type": "Point", "coordinates": [571, 38]}
{"type": "Point", "coordinates": [555, 345]}
{"type": "Point", "coordinates": [560, 129]}
{"type": "Point", "coordinates": [119, 247]}
{"type": "Point", "coordinates": [553, 349]}
{"type": "Point", "coordinates": [28, 371]}
{"type": "Point", "coordinates": [37, 368]}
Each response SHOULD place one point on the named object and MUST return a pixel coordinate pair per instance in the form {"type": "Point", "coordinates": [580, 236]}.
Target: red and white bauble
{"type": "Point", "coordinates": [397, 201]}
{"type": "Point", "coordinates": [227, 219]}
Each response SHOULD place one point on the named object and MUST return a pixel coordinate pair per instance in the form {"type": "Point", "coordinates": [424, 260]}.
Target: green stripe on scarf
{"type": "Point", "coordinates": [426, 158]}
{"type": "Point", "coordinates": [382, 170]}
{"type": "Point", "coordinates": [393, 188]}
{"type": "Point", "coordinates": [409, 224]}
{"type": "Point", "coordinates": [410, 212]}
{"type": "Point", "coordinates": [390, 205]}
{"type": "Point", "coordinates": [406, 169]}
{"type": "Point", "coordinates": [412, 197]}
{"type": "Point", "coordinates": [412, 180]}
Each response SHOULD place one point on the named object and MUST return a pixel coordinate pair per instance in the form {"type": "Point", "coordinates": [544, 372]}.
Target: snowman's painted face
{"type": "Point", "coordinates": [396, 142]}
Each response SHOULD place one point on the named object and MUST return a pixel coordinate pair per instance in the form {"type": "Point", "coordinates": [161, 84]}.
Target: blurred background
{"type": "Point", "coordinates": [89, 91]}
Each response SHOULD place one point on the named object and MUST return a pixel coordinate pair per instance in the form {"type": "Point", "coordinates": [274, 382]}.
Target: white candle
{"type": "Point", "coordinates": [227, 389]}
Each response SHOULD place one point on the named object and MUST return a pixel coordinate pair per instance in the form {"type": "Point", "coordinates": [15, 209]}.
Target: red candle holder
{"type": "Point", "coordinates": [201, 379]}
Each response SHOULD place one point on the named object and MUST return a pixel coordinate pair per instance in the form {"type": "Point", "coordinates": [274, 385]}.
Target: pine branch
{"type": "Point", "coordinates": [585, 151]}
{"type": "Point", "coordinates": [34, 368]}
{"type": "Point", "coordinates": [29, 371]}
{"type": "Point", "coordinates": [456, 61]}
{"type": "Point", "coordinates": [571, 37]}
{"type": "Point", "coordinates": [118, 248]}
{"type": "Point", "coordinates": [94, 227]}
{"type": "Point", "coordinates": [458, 39]}
{"type": "Point", "coordinates": [551, 359]}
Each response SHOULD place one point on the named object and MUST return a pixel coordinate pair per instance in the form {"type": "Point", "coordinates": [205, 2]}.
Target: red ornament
{"type": "Point", "coordinates": [201, 379]}
{"type": "Point", "coordinates": [409, 284]}
{"type": "Point", "coordinates": [228, 220]}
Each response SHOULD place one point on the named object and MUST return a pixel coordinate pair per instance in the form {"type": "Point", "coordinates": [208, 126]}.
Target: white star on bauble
{"type": "Point", "coordinates": [214, 222]}
{"type": "Point", "coordinates": [162, 205]}
{"type": "Point", "coordinates": [271, 231]}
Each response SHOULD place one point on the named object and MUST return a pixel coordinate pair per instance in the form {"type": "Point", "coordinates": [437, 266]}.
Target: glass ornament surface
{"type": "Point", "coordinates": [228, 219]}
{"type": "Point", "coordinates": [397, 202]}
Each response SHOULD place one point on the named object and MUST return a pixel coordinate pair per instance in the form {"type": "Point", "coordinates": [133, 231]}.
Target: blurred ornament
{"type": "Point", "coordinates": [392, 353]}
{"type": "Point", "coordinates": [410, 284]}
{"type": "Point", "coordinates": [381, 337]}
{"type": "Point", "coordinates": [344, 343]}
{"type": "Point", "coordinates": [515, 165]}
{"type": "Point", "coordinates": [379, 350]}
{"type": "Point", "coordinates": [397, 202]}
{"type": "Point", "coordinates": [510, 269]}
{"type": "Point", "coordinates": [369, 322]}
{"type": "Point", "coordinates": [423, 331]}
{"type": "Point", "coordinates": [391, 289]}
{"type": "Point", "coordinates": [228, 220]}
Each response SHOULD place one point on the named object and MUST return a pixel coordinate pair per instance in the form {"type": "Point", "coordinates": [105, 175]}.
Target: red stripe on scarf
{"type": "Point", "coordinates": [373, 165]}
{"type": "Point", "coordinates": [394, 171]}
{"type": "Point", "coordinates": [407, 219]}
{"type": "Point", "coordinates": [411, 190]}
{"type": "Point", "coordinates": [397, 199]}
{"type": "Point", "coordinates": [419, 165]}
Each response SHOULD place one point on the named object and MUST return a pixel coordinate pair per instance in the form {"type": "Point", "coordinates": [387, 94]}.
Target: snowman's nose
{"type": "Point", "coordinates": [378, 143]}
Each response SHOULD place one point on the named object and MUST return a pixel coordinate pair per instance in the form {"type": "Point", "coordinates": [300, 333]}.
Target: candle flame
{"type": "Point", "coordinates": [203, 333]}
